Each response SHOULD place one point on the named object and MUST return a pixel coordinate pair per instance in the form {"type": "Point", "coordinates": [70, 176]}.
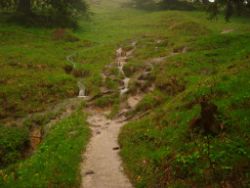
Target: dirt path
{"type": "Point", "coordinates": [102, 167]}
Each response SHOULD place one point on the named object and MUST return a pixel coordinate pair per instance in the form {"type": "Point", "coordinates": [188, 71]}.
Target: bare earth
{"type": "Point", "coordinates": [102, 166]}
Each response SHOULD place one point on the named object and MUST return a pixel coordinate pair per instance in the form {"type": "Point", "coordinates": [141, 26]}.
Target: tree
{"type": "Point", "coordinates": [24, 6]}
{"type": "Point", "coordinates": [144, 4]}
{"type": "Point", "coordinates": [163, 4]}
{"type": "Point", "coordinates": [176, 5]}
{"type": "Point", "coordinates": [230, 7]}
{"type": "Point", "coordinates": [47, 12]}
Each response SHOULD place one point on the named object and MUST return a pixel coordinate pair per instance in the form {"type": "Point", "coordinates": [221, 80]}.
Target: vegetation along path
{"type": "Point", "coordinates": [131, 98]}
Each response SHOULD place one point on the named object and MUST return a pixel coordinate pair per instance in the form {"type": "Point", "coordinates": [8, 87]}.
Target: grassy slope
{"type": "Point", "coordinates": [32, 71]}
{"type": "Point", "coordinates": [56, 162]}
{"type": "Point", "coordinates": [150, 145]}
{"type": "Point", "coordinates": [32, 78]}
{"type": "Point", "coordinates": [159, 150]}
{"type": "Point", "coordinates": [32, 60]}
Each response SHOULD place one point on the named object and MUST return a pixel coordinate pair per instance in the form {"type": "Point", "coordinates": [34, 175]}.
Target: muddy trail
{"type": "Point", "coordinates": [102, 166]}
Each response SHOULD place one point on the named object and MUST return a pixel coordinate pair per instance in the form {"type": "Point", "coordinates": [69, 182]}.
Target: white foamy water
{"type": "Point", "coordinates": [82, 90]}
{"type": "Point", "coordinates": [121, 59]}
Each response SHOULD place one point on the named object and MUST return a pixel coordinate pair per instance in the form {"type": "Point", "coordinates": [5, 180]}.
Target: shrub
{"type": "Point", "coordinates": [12, 143]}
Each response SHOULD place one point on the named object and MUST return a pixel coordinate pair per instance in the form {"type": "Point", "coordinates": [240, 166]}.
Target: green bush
{"type": "Point", "coordinates": [12, 143]}
{"type": "Point", "coordinates": [56, 162]}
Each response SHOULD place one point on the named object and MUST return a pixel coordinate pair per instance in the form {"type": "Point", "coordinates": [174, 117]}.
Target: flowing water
{"type": "Point", "coordinates": [121, 59]}
{"type": "Point", "coordinates": [82, 89]}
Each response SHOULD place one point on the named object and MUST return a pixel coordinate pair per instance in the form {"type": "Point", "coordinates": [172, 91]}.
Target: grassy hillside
{"type": "Point", "coordinates": [168, 147]}
{"type": "Point", "coordinates": [32, 75]}
{"type": "Point", "coordinates": [207, 84]}
{"type": "Point", "coordinates": [56, 162]}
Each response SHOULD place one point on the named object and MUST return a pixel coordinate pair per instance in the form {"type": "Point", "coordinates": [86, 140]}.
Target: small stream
{"type": "Point", "coordinates": [121, 59]}
{"type": "Point", "coordinates": [82, 89]}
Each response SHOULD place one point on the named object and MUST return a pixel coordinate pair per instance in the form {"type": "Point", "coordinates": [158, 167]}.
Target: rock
{"type": "Point", "coordinates": [90, 172]}
{"type": "Point", "coordinates": [116, 148]}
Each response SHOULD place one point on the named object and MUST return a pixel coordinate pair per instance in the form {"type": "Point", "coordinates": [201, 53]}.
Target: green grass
{"type": "Point", "coordinates": [157, 150]}
{"type": "Point", "coordinates": [32, 75]}
{"type": "Point", "coordinates": [56, 162]}
{"type": "Point", "coordinates": [160, 150]}
{"type": "Point", "coordinates": [26, 51]}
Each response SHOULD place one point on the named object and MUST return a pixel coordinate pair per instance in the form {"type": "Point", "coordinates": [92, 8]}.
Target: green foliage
{"type": "Point", "coordinates": [12, 143]}
{"type": "Point", "coordinates": [229, 8]}
{"type": "Point", "coordinates": [144, 4]}
{"type": "Point", "coordinates": [45, 12]}
{"type": "Point", "coordinates": [162, 5]}
{"type": "Point", "coordinates": [176, 5]}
